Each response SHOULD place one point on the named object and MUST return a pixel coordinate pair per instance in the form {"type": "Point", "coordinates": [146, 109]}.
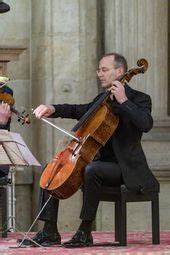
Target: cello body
{"type": "Point", "coordinates": [64, 174]}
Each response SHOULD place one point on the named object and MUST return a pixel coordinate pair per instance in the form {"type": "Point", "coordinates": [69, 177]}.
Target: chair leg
{"type": "Point", "coordinates": [155, 220]}
{"type": "Point", "coordinates": [123, 231]}
{"type": "Point", "coordinates": [117, 221]}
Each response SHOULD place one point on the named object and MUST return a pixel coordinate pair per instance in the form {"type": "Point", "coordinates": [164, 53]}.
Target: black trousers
{"type": "Point", "coordinates": [96, 174]}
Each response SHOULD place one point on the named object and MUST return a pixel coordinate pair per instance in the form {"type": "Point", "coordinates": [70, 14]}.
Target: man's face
{"type": "Point", "coordinates": [106, 71]}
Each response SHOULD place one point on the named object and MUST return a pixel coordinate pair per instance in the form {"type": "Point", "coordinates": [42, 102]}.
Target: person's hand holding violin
{"type": "Point", "coordinates": [44, 111]}
{"type": "Point", "coordinates": [118, 91]}
{"type": "Point", "coordinates": [5, 113]}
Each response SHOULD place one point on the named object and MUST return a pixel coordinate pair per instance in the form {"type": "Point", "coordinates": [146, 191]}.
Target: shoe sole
{"type": "Point", "coordinates": [78, 246]}
{"type": "Point", "coordinates": [50, 244]}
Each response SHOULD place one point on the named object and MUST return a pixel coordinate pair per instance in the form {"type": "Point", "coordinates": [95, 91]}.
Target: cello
{"type": "Point", "coordinates": [63, 175]}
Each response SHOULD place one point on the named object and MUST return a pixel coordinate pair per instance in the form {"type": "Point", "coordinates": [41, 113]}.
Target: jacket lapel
{"type": "Point", "coordinates": [129, 92]}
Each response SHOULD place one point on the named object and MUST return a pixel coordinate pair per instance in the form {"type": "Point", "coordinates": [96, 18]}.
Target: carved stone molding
{"type": "Point", "coordinates": [8, 54]}
{"type": "Point", "coordinates": [3, 68]}
{"type": "Point", "coordinates": [162, 173]}
{"type": "Point", "coordinates": [158, 133]}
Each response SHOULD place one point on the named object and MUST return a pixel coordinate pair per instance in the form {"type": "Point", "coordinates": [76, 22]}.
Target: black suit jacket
{"type": "Point", "coordinates": [134, 119]}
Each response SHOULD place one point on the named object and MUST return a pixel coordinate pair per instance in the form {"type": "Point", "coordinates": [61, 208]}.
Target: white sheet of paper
{"type": "Point", "coordinates": [15, 151]}
{"type": "Point", "coordinates": [26, 153]}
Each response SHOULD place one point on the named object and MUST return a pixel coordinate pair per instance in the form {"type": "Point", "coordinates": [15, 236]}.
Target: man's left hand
{"type": "Point", "coordinates": [118, 91]}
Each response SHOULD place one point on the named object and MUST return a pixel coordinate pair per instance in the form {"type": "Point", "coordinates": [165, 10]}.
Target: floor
{"type": "Point", "coordinates": [139, 243]}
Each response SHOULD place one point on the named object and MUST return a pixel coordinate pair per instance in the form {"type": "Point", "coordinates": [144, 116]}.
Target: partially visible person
{"type": "Point", "coordinates": [5, 116]}
{"type": "Point", "coordinates": [5, 120]}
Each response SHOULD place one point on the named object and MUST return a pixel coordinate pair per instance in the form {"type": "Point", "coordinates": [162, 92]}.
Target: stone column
{"type": "Point", "coordinates": [64, 61]}
{"type": "Point", "coordinates": [139, 29]}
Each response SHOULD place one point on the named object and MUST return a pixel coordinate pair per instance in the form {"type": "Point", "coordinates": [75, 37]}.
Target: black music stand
{"type": "Point", "coordinates": [14, 153]}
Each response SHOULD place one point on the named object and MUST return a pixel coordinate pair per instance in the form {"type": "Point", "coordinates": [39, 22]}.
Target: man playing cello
{"type": "Point", "coordinates": [120, 161]}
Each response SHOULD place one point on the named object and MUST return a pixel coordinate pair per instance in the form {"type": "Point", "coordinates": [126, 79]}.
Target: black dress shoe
{"type": "Point", "coordinates": [80, 239]}
{"type": "Point", "coordinates": [43, 238]}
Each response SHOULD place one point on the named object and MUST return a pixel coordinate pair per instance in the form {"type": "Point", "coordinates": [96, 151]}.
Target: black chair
{"type": "Point", "coordinates": [3, 206]}
{"type": "Point", "coordinates": [121, 195]}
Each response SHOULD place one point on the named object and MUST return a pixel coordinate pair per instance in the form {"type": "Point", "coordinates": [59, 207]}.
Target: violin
{"type": "Point", "coordinates": [8, 98]}
{"type": "Point", "coordinates": [63, 175]}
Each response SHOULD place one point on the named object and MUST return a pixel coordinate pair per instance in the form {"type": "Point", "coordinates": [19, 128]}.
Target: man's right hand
{"type": "Point", "coordinates": [44, 111]}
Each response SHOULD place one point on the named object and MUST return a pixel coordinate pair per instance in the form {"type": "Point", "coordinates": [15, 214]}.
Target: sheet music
{"type": "Point", "coordinates": [14, 150]}
{"type": "Point", "coordinates": [3, 157]}
{"type": "Point", "coordinates": [26, 153]}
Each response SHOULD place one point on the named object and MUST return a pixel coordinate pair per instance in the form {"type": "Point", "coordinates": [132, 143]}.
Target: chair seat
{"type": "Point", "coordinates": [114, 193]}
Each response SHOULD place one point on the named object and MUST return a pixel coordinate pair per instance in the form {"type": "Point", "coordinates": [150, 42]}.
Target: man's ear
{"type": "Point", "coordinates": [120, 70]}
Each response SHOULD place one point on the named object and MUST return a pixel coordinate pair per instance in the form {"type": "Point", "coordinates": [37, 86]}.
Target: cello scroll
{"type": "Point", "coordinates": [142, 64]}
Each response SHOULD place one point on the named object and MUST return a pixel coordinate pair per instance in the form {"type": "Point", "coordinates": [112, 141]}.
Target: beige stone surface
{"type": "Point", "coordinates": [139, 29]}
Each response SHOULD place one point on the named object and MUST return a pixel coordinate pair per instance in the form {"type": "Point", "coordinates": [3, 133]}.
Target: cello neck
{"type": "Point", "coordinates": [92, 109]}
